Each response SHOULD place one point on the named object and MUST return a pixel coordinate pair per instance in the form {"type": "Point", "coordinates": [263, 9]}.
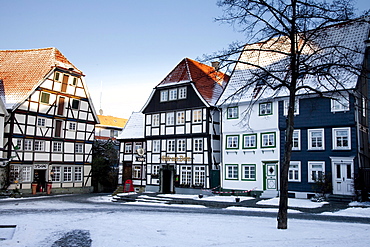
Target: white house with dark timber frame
{"type": "Point", "coordinates": [50, 130]}
{"type": "Point", "coordinates": [182, 128]}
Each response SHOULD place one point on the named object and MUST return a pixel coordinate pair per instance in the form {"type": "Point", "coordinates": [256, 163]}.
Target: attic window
{"type": "Point", "coordinates": [45, 97]}
{"type": "Point", "coordinates": [173, 94]}
{"type": "Point", "coordinates": [74, 82]}
{"type": "Point", "coordinates": [56, 76]}
{"type": "Point", "coordinates": [164, 95]}
{"type": "Point", "coordinates": [182, 93]}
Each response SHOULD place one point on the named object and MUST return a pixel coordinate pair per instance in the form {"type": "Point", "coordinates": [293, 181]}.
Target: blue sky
{"type": "Point", "coordinates": [125, 48]}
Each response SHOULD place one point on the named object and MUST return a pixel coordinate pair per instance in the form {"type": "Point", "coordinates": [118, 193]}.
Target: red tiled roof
{"type": "Point", "coordinates": [21, 71]}
{"type": "Point", "coordinates": [209, 82]}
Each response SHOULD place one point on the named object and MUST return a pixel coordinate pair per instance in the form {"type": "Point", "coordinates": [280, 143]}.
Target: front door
{"type": "Point", "coordinates": [343, 178]}
{"type": "Point", "coordinates": [271, 176]}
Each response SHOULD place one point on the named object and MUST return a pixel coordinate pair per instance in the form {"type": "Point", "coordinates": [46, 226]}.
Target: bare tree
{"type": "Point", "coordinates": [287, 41]}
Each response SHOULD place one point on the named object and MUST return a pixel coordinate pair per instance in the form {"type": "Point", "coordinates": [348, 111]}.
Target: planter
{"type": "Point", "coordinates": [34, 188]}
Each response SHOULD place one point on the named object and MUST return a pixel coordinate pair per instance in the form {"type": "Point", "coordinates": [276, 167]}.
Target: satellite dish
{"type": "Point", "coordinates": [140, 151]}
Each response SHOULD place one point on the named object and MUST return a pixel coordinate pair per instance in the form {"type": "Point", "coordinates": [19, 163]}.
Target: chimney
{"type": "Point", "coordinates": [216, 65]}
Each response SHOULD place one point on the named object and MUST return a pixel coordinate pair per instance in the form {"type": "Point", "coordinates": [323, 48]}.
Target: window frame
{"type": "Point", "coordinates": [296, 140]}
{"type": "Point", "coordinates": [57, 173]}
{"type": "Point", "coordinates": [311, 169]}
{"type": "Point", "coordinates": [172, 94]}
{"type": "Point", "coordinates": [171, 146]}
{"type": "Point", "coordinates": [198, 145]}
{"type": "Point", "coordinates": [182, 93]}
{"type": "Point", "coordinates": [268, 134]}
{"type": "Point", "coordinates": [232, 112]}
{"type": "Point", "coordinates": [57, 147]}
{"type": "Point", "coordinates": [181, 145]}
{"type": "Point", "coordinates": [340, 103]}
{"type": "Point", "coordinates": [41, 122]}
{"type": "Point", "coordinates": [334, 135]}
{"type": "Point", "coordinates": [180, 118]}
{"type": "Point", "coordinates": [164, 95]}
{"type": "Point", "coordinates": [197, 116]}
{"type": "Point", "coordinates": [296, 107]}
{"type": "Point", "coordinates": [155, 120]}
{"type": "Point", "coordinates": [250, 177]}
{"type": "Point", "coordinates": [234, 172]}
{"type": "Point", "coordinates": [77, 175]}
{"type": "Point", "coordinates": [128, 147]}
{"type": "Point", "coordinates": [170, 118]}
{"type": "Point", "coordinates": [231, 147]}
{"type": "Point", "coordinates": [156, 146]}
{"type": "Point", "coordinates": [67, 174]}
{"type": "Point", "coordinates": [255, 141]}
{"type": "Point", "coordinates": [264, 105]}
{"type": "Point", "coordinates": [75, 105]}
{"type": "Point", "coordinates": [45, 98]}
{"type": "Point", "coordinates": [294, 171]}
{"type": "Point", "coordinates": [38, 146]}
{"type": "Point", "coordinates": [310, 140]}
{"type": "Point", "coordinates": [79, 147]}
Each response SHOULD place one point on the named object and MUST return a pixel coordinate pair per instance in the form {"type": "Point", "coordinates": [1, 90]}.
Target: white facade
{"type": "Point", "coordinates": [250, 139]}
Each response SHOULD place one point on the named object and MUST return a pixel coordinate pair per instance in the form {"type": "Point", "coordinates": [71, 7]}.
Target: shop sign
{"type": "Point", "coordinates": [40, 166]}
{"type": "Point", "coordinates": [176, 159]}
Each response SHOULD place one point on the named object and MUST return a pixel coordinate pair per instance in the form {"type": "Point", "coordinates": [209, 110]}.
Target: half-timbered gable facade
{"type": "Point", "coordinates": [132, 165]}
{"type": "Point", "coordinates": [331, 136]}
{"type": "Point", "coordinates": [182, 127]}
{"type": "Point", "coordinates": [50, 131]}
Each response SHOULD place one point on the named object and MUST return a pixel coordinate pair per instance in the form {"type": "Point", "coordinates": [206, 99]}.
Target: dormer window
{"type": "Point", "coordinates": [57, 76]}
{"type": "Point", "coordinates": [164, 95]}
{"type": "Point", "coordinates": [173, 94]}
{"type": "Point", "coordinates": [182, 93]}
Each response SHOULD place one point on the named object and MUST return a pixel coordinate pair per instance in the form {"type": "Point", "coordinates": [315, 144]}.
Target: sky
{"type": "Point", "coordinates": [125, 48]}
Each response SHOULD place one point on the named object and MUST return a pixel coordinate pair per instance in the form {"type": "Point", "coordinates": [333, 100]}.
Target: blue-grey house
{"type": "Point", "coordinates": [331, 130]}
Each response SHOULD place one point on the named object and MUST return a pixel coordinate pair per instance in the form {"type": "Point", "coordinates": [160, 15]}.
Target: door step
{"type": "Point", "coordinates": [269, 194]}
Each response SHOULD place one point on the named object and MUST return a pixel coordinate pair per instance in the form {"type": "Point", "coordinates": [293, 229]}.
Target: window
{"type": "Point", "coordinates": [78, 173]}
{"type": "Point", "coordinates": [231, 172]}
{"type": "Point", "coordinates": [250, 141]}
{"type": "Point", "coordinates": [72, 126]}
{"type": "Point", "coordinates": [180, 119]}
{"type": "Point", "coordinates": [128, 148]}
{"type": "Point", "coordinates": [364, 106]}
{"type": "Point", "coordinates": [249, 172]}
{"type": "Point", "coordinates": [67, 174]}
{"type": "Point", "coordinates": [74, 82]}
{"type": "Point", "coordinates": [199, 176]}
{"type": "Point", "coordinates": [296, 140]}
{"type": "Point", "coordinates": [185, 178]}
{"type": "Point", "coordinates": [170, 118]}
{"type": "Point", "coordinates": [79, 148]}
{"type": "Point", "coordinates": [41, 122]}
{"type": "Point", "coordinates": [341, 138]}
{"type": "Point", "coordinates": [232, 142]}
{"type": "Point", "coordinates": [19, 144]}
{"type": "Point", "coordinates": [340, 103]}
{"type": "Point", "coordinates": [232, 112]}
{"type": "Point", "coordinates": [164, 95]}
{"type": "Point", "coordinates": [197, 116]}
{"type": "Point", "coordinates": [316, 170]}
{"type": "Point", "coordinates": [27, 145]}
{"type": "Point", "coordinates": [14, 173]}
{"type": "Point", "coordinates": [39, 145]}
{"type": "Point", "coordinates": [155, 169]}
{"type": "Point", "coordinates": [75, 104]}
{"type": "Point", "coordinates": [57, 147]}
{"type": "Point", "coordinates": [268, 140]}
{"type": "Point", "coordinates": [136, 173]}
{"type": "Point", "coordinates": [138, 145]}
{"type": "Point", "coordinates": [198, 145]}
{"type": "Point", "coordinates": [316, 139]}
{"type": "Point", "coordinates": [155, 120]}
{"type": "Point", "coordinates": [171, 146]}
{"type": "Point", "coordinates": [156, 146]}
{"type": "Point", "coordinates": [182, 93]}
{"type": "Point", "coordinates": [294, 174]}
{"type": "Point", "coordinates": [45, 97]}
{"type": "Point", "coordinates": [181, 146]}
{"type": "Point", "coordinates": [26, 173]}
{"type": "Point", "coordinates": [296, 107]}
{"type": "Point", "coordinates": [56, 174]}
{"type": "Point", "coordinates": [265, 109]}
{"type": "Point", "coordinates": [173, 94]}
{"type": "Point", "coordinates": [57, 76]}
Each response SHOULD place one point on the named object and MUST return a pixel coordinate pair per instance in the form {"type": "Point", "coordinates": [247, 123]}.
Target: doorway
{"type": "Point", "coordinates": [343, 174]}
{"type": "Point", "coordinates": [270, 171]}
{"type": "Point", "coordinates": [40, 178]}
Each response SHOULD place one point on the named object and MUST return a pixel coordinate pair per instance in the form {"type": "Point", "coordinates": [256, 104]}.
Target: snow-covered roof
{"type": "Point", "coordinates": [134, 128]}
{"type": "Point", "coordinates": [338, 44]}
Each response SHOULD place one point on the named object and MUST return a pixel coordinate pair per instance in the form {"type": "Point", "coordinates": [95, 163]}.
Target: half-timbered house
{"type": "Point", "coordinates": [331, 136]}
{"type": "Point", "coordinates": [50, 130]}
{"type": "Point", "coordinates": [132, 165]}
{"type": "Point", "coordinates": [4, 161]}
{"type": "Point", "coordinates": [182, 128]}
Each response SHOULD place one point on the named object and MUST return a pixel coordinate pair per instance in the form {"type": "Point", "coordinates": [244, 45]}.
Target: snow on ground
{"type": "Point", "coordinates": [117, 226]}
{"type": "Point", "coordinates": [293, 202]}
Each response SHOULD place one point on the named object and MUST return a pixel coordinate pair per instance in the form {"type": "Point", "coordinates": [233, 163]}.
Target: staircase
{"type": "Point", "coordinates": [340, 198]}
{"type": "Point", "coordinates": [268, 194]}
